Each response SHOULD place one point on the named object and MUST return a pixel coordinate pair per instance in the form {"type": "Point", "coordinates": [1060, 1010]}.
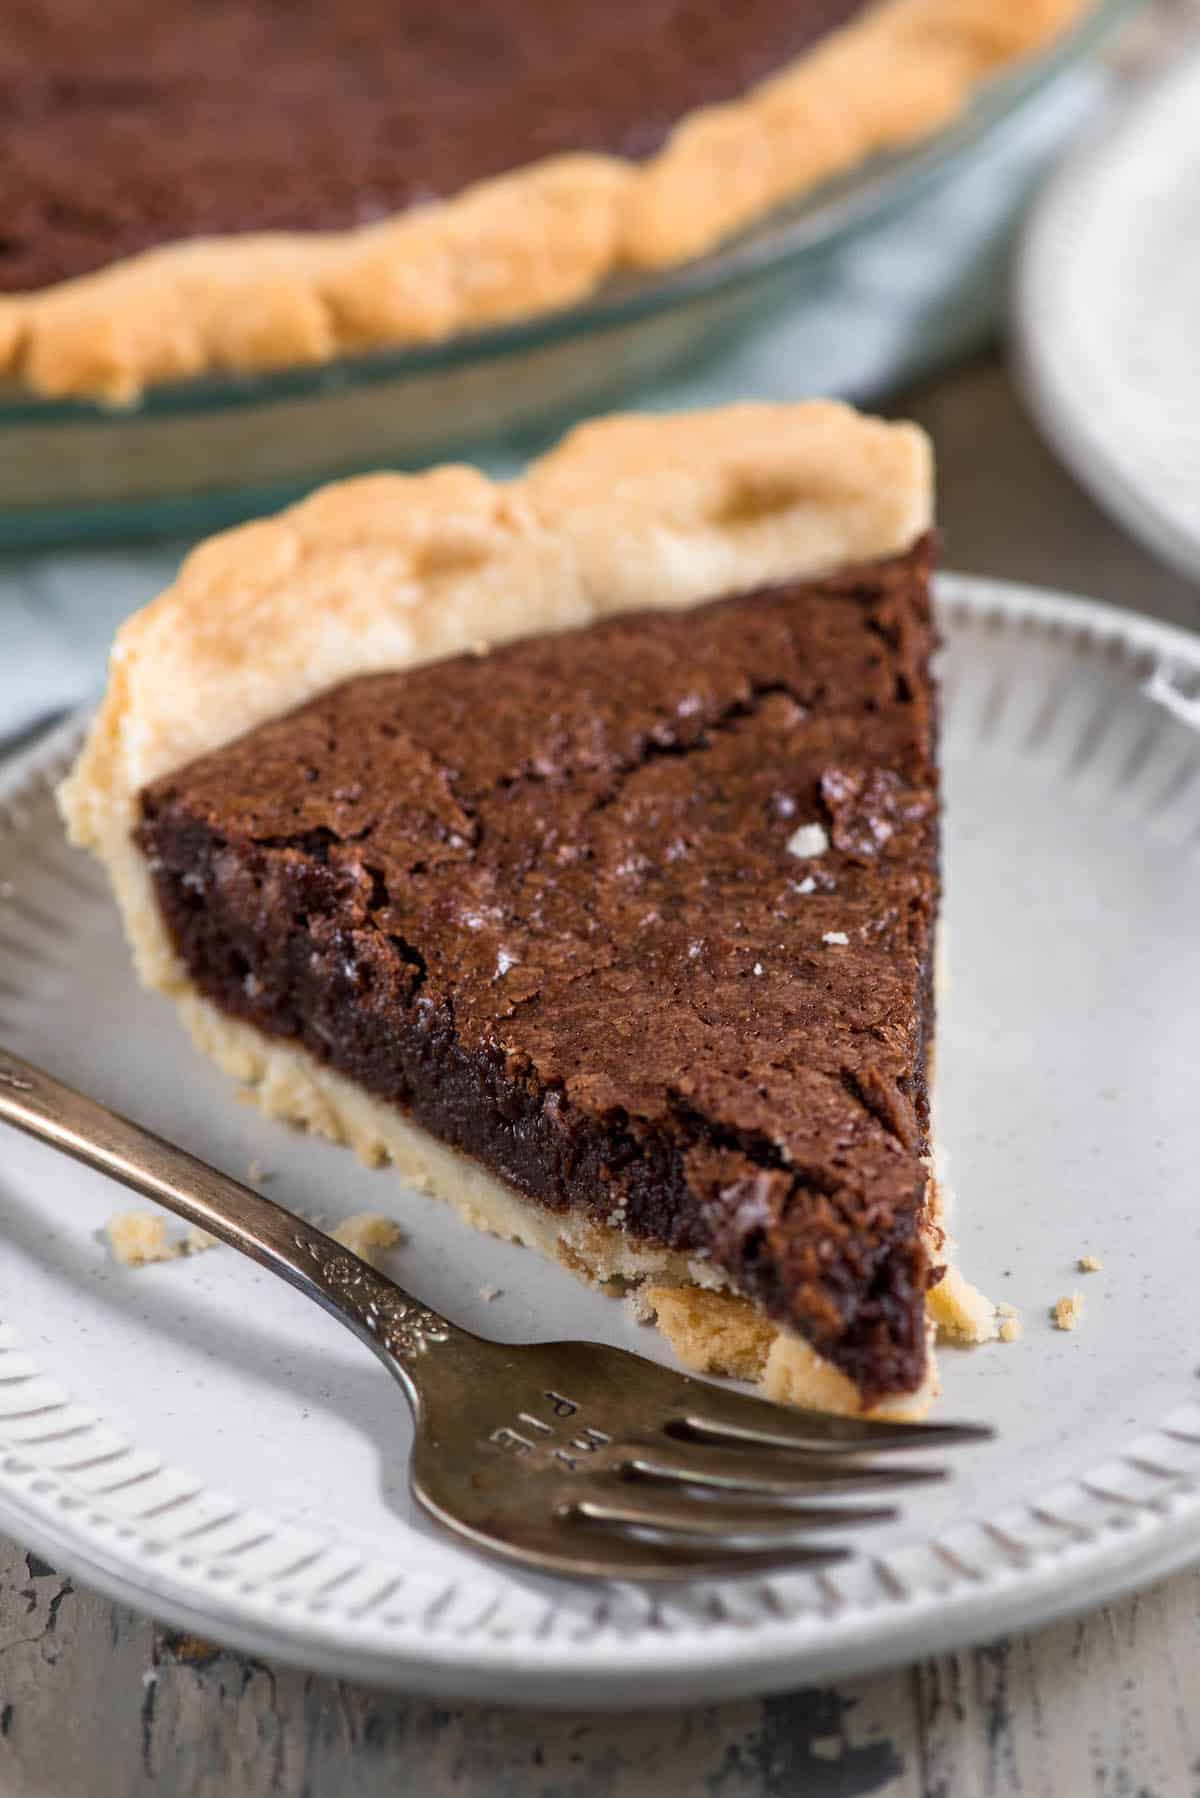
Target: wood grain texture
{"type": "Point", "coordinates": [96, 1702]}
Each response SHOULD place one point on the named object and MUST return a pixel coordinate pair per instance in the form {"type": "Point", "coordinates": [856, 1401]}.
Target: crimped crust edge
{"type": "Point", "coordinates": [524, 243]}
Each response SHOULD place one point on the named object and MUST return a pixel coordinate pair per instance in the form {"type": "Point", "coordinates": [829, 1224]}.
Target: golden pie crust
{"type": "Point", "coordinates": [523, 243]}
{"type": "Point", "coordinates": [391, 571]}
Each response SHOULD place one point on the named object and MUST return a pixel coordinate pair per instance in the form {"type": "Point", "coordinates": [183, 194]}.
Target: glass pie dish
{"type": "Point", "coordinates": [198, 454]}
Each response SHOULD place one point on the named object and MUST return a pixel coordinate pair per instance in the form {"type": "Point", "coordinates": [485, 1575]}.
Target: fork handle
{"type": "Point", "coordinates": [397, 1327]}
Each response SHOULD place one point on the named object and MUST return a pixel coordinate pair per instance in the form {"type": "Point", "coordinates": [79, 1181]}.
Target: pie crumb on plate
{"type": "Point", "coordinates": [368, 1235]}
{"type": "Point", "coordinates": [138, 1238]}
{"type": "Point", "coordinates": [1067, 1312]}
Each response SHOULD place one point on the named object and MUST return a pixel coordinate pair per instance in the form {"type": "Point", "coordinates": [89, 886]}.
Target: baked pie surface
{"type": "Point", "coordinates": [573, 844]}
{"type": "Point", "coordinates": [277, 186]}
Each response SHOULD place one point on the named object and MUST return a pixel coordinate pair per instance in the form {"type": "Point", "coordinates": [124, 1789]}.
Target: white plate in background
{"type": "Point", "coordinates": [197, 1441]}
{"type": "Point", "coordinates": [1107, 306]}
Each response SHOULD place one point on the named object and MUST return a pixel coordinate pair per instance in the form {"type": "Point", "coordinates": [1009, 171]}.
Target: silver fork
{"type": "Point", "coordinates": [565, 1457]}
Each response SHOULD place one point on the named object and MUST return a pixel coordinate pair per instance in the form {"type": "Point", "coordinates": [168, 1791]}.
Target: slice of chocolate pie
{"type": "Point", "coordinates": [573, 845]}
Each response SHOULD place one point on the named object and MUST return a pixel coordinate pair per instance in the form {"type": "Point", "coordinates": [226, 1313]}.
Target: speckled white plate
{"type": "Point", "coordinates": [1108, 311]}
{"type": "Point", "coordinates": [199, 1442]}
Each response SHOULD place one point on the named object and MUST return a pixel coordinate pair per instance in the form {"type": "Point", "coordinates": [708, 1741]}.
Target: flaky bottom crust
{"type": "Point", "coordinates": [711, 1329]}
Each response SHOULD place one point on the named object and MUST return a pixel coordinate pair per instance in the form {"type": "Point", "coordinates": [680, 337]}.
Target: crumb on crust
{"type": "Point", "coordinates": [1067, 1312]}
{"type": "Point", "coordinates": [712, 1332]}
{"type": "Point", "coordinates": [960, 1310]}
{"type": "Point", "coordinates": [368, 1234]}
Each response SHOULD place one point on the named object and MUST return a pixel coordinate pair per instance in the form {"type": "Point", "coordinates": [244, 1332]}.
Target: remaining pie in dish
{"type": "Point", "coordinates": [573, 845]}
{"type": "Point", "coordinates": [259, 185]}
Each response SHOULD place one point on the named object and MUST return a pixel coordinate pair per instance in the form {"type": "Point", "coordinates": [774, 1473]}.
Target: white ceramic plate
{"type": "Point", "coordinates": [1107, 304]}
{"type": "Point", "coordinates": [196, 1440]}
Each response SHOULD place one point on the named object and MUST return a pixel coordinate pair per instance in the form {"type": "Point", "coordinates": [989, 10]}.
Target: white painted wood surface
{"type": "Point", "coordinates": [97, 1702]}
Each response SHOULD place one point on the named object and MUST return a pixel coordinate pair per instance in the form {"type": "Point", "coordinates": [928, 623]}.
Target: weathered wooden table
{"type": "Point", "coordinates": [97, 1702]}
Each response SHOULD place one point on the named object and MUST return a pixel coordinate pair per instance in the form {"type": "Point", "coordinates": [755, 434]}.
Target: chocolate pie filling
{"type": "Point", "coordinates": [565, 905]}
